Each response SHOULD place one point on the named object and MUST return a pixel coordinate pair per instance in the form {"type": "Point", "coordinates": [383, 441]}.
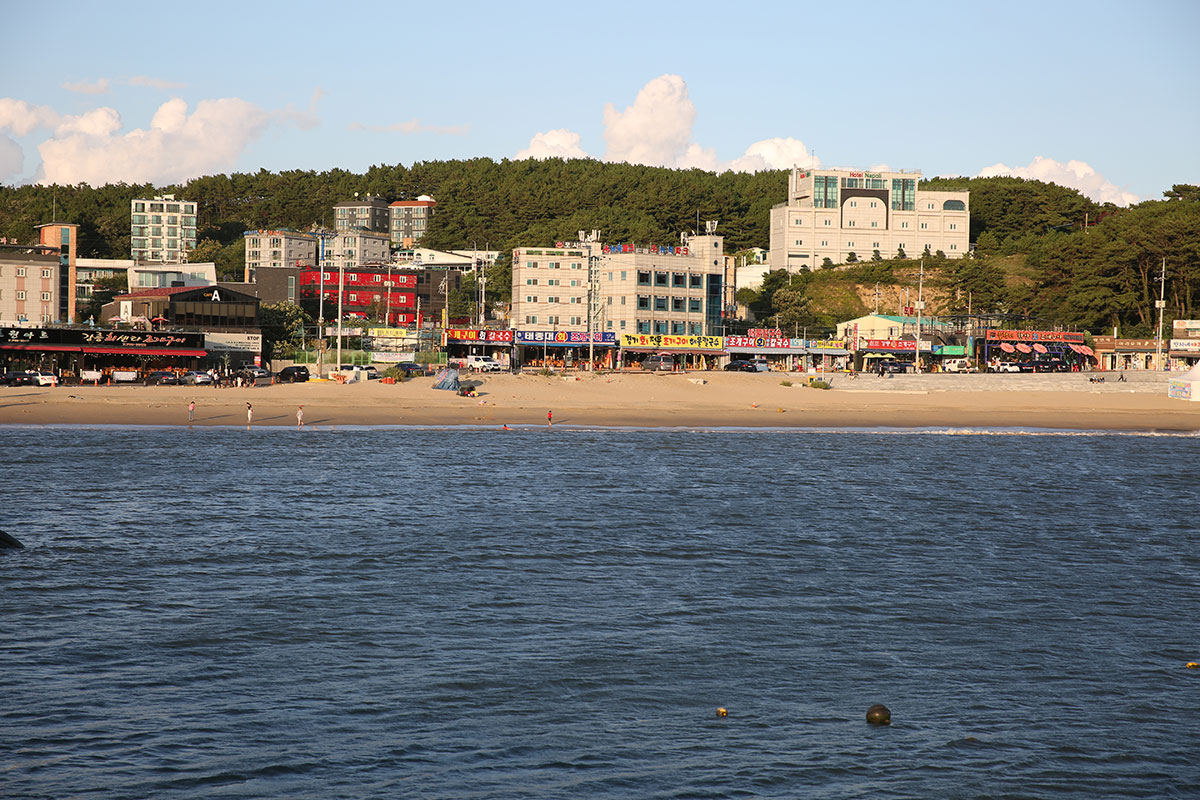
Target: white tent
{"type": "Point", "coordinates": [1186, 386]}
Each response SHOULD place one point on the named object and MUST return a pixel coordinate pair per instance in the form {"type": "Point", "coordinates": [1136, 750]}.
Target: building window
{"type": "Point", "coordinates": [677, 328]}
{"type": "Point", "coordinates": [622, 324]}
{"type": "Point", "coordinates": [531, 264]}
{"type": "Point", "coordinates": [530, 299]}
{"type": "Point", "coordinates": [552, 282]}
{"type": "Point", "coordinates": [828, 222]}
{"type": "Point", "coordinates": [850, 224]}
{"type": "Point", "coordinates": [904, 194]}
{"type": "Point", "coordinates": [924, 225]}
{"type": "Point", "coordinates": [622, 274]}
{"type": "Point", "coordinates": [953, 226]}
{"type": "Point", "coordinates": [903, 224]}
{"type": "Point", "coordinates": [953, 247]}
{"type": "Point", "coordinates": [824, 243]}
{"type": "Point", "coordinates": [643, 278]}
{"type": "Point", "coordinates": [660, 327]}
{"type": "Point", "coordinates": [643, 301]}
{"type": "Point", "coordinates": [291, 290]}
{"type": "Point", "coordinates": [954, 205]}
{"type": "Point", "coordinates": [874, 224]}
{"type": "Point", "coordinates": [531, 281]}
{"type": "Point", "coordinates": [679, 279]}
{"type": "Point", "coordinates": [552, 320]}
{"type": "Point", "coordinates": [696, 282]}
{"type": "Point", "coordinates": [677, 304]}
{"type": "Point", "coordinates": [45, 273]}
{"type": "Point", "coordinates": [20, 295]}
{"type": "Point", "coordinates": [575, 299]}
{"type": "Point", "coordinates": [643, 326]}
{"type": "Point", "coordinates": [531, 320]}
{"type": "Point", "coordinates": [661, 279]}
{"type": "Point", "coordinates": [693, 304]}
{"type": "Point", "coordinates": [660, 304]}
{"type": "Point", "coordinates": [574, 321]}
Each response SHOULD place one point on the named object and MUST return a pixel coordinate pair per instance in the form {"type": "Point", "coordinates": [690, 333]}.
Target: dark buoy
{"type": "Point", "coordinates": [9, 542]}
{"type": "Point", "coordinates": [878, 714]}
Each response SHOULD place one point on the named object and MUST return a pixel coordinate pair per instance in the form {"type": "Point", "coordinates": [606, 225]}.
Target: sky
{"type": "Point", "coordinates": [1100, 96]}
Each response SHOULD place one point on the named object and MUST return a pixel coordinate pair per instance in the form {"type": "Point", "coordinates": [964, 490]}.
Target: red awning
{"type": "Point", "coordinates": [1008, 348]}
{"type": "Point", "coordinates": [1074, 347]}
{"type": "Point", "coordinates": [1024, 348]}
{"type": "Point", "coordinates": [1041, 348]}
{"type": "Point", "coordinates": [62, 348]}
{"type": "Point", "coordinates": [1087, 351]}
{"type": "Point", "coordinates": [146, 351]}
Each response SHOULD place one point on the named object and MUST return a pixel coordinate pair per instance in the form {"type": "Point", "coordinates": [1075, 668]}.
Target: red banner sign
{"type": "Point", "coordinates": [478, 335]}
{"type": "Point", "coordinates": [1034, 336]}
{"type": "Point", "coordinates": [892, 344]}
{"type": "Point", "coordinates": [756, 341]}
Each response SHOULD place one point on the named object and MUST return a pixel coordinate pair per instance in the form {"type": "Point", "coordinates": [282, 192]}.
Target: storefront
{"type": "Point", "coordinates": [1035, 346]}
{"type": "Point", "coordinates": [827, 355]}
{"type": "Point", "coordinates": [96, 353]}
{"type": "Point", "coordinates": [1129, 354]}
{"type": "Point", "coordinates": [780, 353]}
{"type": "Point", "coordinates": [690, 351]}
{"type": "Point", "coordinates": [463, 342]}
{"type": "Point", "coordinates": [1184, 354]}
{"type": "Point", "coordinates": [875, 350]}
{"type": "Point", "coordinates": [565, 349]}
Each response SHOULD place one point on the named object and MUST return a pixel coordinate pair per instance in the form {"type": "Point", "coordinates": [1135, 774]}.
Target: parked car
{"type": "Point", "coordinates": [297, 373]}
{"type": "Point", "coordinates": [958, 365]}
{"type": "Point", "coordinates": [410, 368]}
{"type": "Point", "coordinates": [482, 363]}
{"type": "Point", "coordinates": [196, 378]}
{"type": "Point", "coordinates": [1050, 365]}
{"type": "Point", "coordinates": [891, 365]}
{"type": "Point", "coordinates": [162, 377]}
{"type": "Point", "coordinates": [19, 378]}
{"type": "Point", "coordinates": [661, 362]}
{"type": "Point", "coordinates": [741, 366]}
{"type": "Point", "coordinates": [1005, 366]}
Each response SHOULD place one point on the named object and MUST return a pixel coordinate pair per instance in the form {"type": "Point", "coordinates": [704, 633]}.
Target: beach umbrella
{"type": "Point", "coordinates": [1040, 348]}
{"type": "Point", "coordinates": [1006, 347]}
{"type": "Point", "coordinates": [1024, 348]}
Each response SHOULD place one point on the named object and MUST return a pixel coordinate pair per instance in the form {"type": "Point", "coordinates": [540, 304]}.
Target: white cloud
{"type": "Point", "coordinates": [12, 158]}
{"type": "Point", "coordinates": [559, 143]}
{"type": "Point", "coordinates": [155, 83]}
{"type": "Point", "coordinates": [1074, 174]}
{"type": "Point", "coordinates": [657, 130]}
{"type": "Point", "coordinates": [304, 120]}
{"type": "Point", "coordinates": [175, 147]}
{"type": "Point", "coordinates": [23, 119]}
{"type": "Point", "coordinates": [83, 87]}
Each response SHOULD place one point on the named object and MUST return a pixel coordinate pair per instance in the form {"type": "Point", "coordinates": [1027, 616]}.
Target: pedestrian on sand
{"type": "Point", "coordinates": [300, 417]}
{"type": "Point", "coordinates": [249, 415]}
{"type": "Point", "coordinates": [191, 411]}
{"type": "Point", "coordinates": [549, 419]}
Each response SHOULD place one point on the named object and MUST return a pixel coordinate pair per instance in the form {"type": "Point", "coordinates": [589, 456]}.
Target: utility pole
{"type": "Point", "coordinates": [920, 308]}
{"type": "Point", "coordinates": [1161, 304]}
{"type": "Point", "coordinates": [341, 294]}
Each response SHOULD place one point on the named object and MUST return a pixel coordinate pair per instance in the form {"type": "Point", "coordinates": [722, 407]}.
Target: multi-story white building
{"type": "Point", "coordinates": [29, 284]}
{"type": "Point", "coordinates": [366, 213]}
{"type": "Point", "coordinates": [353, 248]}
{"type": "Point", "coordinates": [162, 229]}
{"type": "Point", "coordinates": [409, 220]}
{"type": "Point", "coordinates": [279, 248]}
{"type": "Point", "coordinates": [831, 213]}
{"type": "Point", "coordinates": [635, 288]}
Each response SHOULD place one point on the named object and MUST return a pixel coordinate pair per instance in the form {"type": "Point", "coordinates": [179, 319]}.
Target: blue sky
{"type": "Point", "coordinates": [1103, 96]}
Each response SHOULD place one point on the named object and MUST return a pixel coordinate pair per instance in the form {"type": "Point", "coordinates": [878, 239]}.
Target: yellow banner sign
{"type": "Point", "coordinates": [672, 342]}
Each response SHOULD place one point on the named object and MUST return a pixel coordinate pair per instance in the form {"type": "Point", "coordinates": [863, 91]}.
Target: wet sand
{"type": "Point", "coordinates": [1066, 401]}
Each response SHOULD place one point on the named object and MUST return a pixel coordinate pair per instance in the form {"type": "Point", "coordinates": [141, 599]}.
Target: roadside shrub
{"type": "Point", "coordinates": [818, 384]}
{"type": "Point", "coordinates": [785, 383]}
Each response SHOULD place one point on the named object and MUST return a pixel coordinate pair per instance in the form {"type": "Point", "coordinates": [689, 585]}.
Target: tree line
{"type": "Point", "coordinates": [1034, 255]}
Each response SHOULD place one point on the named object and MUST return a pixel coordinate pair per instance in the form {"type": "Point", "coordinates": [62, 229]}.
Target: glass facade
{"type": "Point", "coordinates": [825, 191]}
{"type": "Point", "coordinates": [904, 194]}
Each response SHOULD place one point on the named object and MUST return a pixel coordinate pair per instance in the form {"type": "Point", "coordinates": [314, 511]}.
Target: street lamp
{"type": "Point", "coordinates": [1161, 304]}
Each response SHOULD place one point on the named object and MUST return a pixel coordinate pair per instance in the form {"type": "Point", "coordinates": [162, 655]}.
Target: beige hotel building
{"type": "Point", "coordinates": [831, 213]}
{"type": "Point", "coordinates": [675, 289]}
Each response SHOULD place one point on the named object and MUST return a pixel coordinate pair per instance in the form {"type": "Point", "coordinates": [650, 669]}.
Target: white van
{"type": "Point", "coordinates": [482, 363]}
{"type": "Point", "coordinates": [958, 365]}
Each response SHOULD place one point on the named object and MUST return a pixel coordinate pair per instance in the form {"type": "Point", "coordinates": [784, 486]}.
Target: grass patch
{"type": "Point", "coordinates": [785, 383]}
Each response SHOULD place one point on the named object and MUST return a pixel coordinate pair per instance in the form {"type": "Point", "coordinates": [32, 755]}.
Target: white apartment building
{"type": "Point", "coordinates": [831, 213]}
{"type": "Point", "coordinates": [409, 219]}
{"type": "Point", "coordinates": [635, 288]}
{"type": "Point", "coordinates": [354, 248]}
{"type": "Point", "coordinates": [279, 248]}
{"type": "Point", "coordinates": [162, 229]}
{"type": "Point", "coordinates": [29, 284]}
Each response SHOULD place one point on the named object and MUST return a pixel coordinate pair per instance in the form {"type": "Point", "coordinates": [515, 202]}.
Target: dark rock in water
{"type": "Point", "coordinates": [879, 714]}
{"type": "Point", "coordinates": [9, 542]}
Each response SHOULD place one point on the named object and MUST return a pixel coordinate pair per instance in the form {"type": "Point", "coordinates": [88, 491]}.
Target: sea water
{"type": "Point", "coordinates": [549, 614]}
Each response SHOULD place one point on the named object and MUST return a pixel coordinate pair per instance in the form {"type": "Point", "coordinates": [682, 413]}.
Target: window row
{"type": "Point", "coordinates": [677, 280]}
{"type": "Point", "coordinates": [683, 304]}
{"type": "Point", "coordinates": [675, 328]}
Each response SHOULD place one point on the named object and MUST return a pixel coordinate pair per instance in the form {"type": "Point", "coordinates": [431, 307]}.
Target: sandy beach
{"type": "Point", "coordinates": [704, 399]}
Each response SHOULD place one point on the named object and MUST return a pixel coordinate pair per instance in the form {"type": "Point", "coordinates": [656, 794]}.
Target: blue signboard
{"type": "Point", "coordinates": [565, 338]}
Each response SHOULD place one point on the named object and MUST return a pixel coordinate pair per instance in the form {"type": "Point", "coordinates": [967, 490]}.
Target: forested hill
{"type": "Point", "coordinates": [1055, 270]}
{"type": "Point", "coordinates": [507, 203]}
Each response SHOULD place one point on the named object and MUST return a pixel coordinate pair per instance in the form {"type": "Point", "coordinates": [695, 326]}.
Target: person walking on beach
{"type": "Point", "coordinates": [300, 417]}
{"type": "Point", "coordinates": [249, 416]}
{"type": "Point", "coordinates": [549, 419]}
{"type": "Point", "coordinates": [191, 411]}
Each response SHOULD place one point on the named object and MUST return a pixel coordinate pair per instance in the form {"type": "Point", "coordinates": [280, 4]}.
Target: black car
{"type": "Point", "coordinates": [410, 368]}
{"type": "Point", "coordinates": [162, 377]}
{"type": "Point", "coordinates": [17, 379]}
{"type": "Point", "coordinates": [741, 366]}
{"type": "Point", "coordinates": [891, 365]}
{"type": "Point", "coordinates": [297, 373]}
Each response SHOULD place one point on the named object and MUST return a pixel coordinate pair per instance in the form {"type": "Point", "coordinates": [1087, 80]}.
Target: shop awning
{"type": "Point", "coordinates": [827, 351]}
{"type": "Point", "coordinates": [1023, 348]}
{"type": "Point", "coordinates": [60, 348]}
{"type": "Point", "coordinates": [1008, 348]}
{"type": "Point", "coordinates": [1040, 348]}
{"type": "Point", "coordinates": [145, 351]}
